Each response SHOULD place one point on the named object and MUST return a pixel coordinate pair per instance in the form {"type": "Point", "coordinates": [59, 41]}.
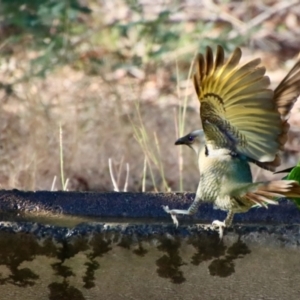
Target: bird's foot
{"type": "Point", "coordinates": [220, 226]}
{"type": "Point", "coordinates": [172, 213]}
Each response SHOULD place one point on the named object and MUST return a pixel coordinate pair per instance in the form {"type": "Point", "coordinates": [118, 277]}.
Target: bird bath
{"type": "Point", "coordinates": [68, 245]}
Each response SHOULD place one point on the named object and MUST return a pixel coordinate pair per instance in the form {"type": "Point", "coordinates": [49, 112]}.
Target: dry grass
{"type": "Point", "coordinates": [128, 113]}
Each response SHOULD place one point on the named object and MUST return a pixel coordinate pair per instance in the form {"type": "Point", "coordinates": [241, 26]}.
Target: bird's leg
{"type": "Point", "coordinates": [226, 223]}
{"type": "Point", "coordinates": [190, 211]}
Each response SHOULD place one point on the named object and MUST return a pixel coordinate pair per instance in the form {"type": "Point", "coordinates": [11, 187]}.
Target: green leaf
{"type": "Point", "coordinates": [294, 175]}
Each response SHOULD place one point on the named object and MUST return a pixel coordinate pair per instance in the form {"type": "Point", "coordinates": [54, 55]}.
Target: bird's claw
{"type": "Point", "coordinates": [166, 209]}
{"type": "Point", "coordinates": [219, 225]}
{"type": "Point", "coordinates": [173, 214]}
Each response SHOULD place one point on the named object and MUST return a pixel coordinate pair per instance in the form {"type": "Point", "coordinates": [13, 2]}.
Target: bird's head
{"type": "Point", "coordinates": [194, 140]}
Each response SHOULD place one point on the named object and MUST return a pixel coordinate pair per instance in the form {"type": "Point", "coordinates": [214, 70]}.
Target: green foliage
{"type": "Point", "coordinates": [295, 175]}
{"type": "Point", "coordinates": [43, 26]}
{"type": "Point", "coordinates": [43, 19]}
{"type": "Point", "coordinates": [44, 34]}
{"type": "Point", "coordinates": [154, 37]}
{"type": "Point", "coordinates": [59, 32]}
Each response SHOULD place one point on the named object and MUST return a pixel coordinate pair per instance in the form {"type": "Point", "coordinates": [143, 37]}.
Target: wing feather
{"type": "Point", "coordinates": [238, 110]}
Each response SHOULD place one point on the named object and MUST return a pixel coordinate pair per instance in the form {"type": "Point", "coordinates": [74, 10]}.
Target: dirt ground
{"type": "Point", "coordinates": [103, 114]}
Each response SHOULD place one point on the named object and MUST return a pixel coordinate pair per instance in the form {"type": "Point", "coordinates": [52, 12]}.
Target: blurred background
{"type": "Point", "coordinates": [85, 84]}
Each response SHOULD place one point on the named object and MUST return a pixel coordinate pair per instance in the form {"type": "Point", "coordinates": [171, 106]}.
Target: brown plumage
{"type": "Point", "coordinates": [243, 121]}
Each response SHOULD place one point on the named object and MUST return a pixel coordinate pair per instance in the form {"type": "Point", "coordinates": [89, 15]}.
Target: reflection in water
{"type": "Point", "coordinates": [21, 247]}
{"type": "Point", "coordinates": [130, 242]}
{"type": "Point", "coordinates": [169, 263]}
{"type": "Point", "coordinates": [238, 250]}
{"type": "Point", "coordinates": [63, 291]}
{"type": "Point", "coordinates": [99, 246]}
{"type": "Point", "coordinates": [210, 247]}
{"type": "Point", "coordinates": [67, 250]}
{"type": "Point", "coordinates": [89, 278]}
{"type": "Point", "coordinates": [224, 267]}
{"type": "Point", "coordinates": [140, 250]}
{"type": "Point", "coordinates": [17, 248]}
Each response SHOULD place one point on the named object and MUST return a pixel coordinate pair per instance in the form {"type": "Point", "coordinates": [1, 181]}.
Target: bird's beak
{"type": "Point", "coordinates": [180, 141]}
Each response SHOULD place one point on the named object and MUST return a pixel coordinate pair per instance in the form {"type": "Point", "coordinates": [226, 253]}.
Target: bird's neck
{"type": "Point", "coordinates": [212, 152]}
{"type": "Point", "coordinates": [197, 148]}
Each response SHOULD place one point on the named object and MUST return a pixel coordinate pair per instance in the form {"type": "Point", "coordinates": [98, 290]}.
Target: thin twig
{"type": "Point", "coordinates": [116, 189]}
{"type": "Point", "coordinates": [185, 100]}
{"type": "Point", "coordinates": [53, 184]}
{"type": "Point", "coordinates": [120, 170]}
{"type": "Point", "coordinates": [259, 19]}
{"type": "Point", "coordinates": [181, 121]}
{"type": "Point", "coordinates": [127, 177]}
{"type": "Point", "coordinates": [62, 176]}
{"type": "Point", "coordinates": [65, 187]}
{"type": "Point", "coordinates": [160, 165]}
{"type": "Point", "coordinates": [144, 175]}
{"type": "Point", "coordinates": [140, 134]}
{"type": "Point", "coordinates": [280, 6]}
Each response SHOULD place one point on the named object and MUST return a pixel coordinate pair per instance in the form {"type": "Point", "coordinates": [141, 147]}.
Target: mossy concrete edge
{"type": "Point", "coordinates": [137, 206]}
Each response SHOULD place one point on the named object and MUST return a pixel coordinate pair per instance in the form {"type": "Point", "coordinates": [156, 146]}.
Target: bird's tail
{"type": "Point", "coordinates": [267, 192]}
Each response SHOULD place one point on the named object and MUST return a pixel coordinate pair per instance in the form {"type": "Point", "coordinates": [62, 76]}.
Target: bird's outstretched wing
{"type": "Point", "coordinates": [237, 110]}
{"type": "Point", "coordinates": [285, 95]}
{"type": "Point", "coordinates": [287, 92]}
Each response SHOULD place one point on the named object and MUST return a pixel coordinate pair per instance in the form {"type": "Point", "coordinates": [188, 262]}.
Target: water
{"type": "Point", "coordinates": [80, 258]}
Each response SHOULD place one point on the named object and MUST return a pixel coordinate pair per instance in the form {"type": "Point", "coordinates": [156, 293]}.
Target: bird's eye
{"type": "Point", "coordinates": [191, 138]}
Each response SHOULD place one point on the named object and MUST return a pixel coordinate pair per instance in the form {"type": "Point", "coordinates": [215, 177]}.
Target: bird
{"type": "Point", "coordinates": [243, 122]}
